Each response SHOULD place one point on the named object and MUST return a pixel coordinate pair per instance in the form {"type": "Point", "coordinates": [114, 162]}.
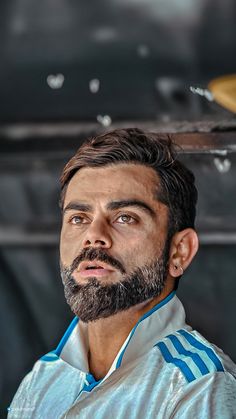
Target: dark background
{"type": "Point", "coordinates": [71, 69]}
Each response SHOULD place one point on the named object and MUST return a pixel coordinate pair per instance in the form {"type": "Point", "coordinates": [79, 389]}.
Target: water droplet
{"type": "Point", "coordinates": [202, 92]}
{"type": "Point", "coordinates": [94, 85]}
{"type": "Point", "coordinates": [104, 120]}
{"type": "Point", "coordinates": [222, 165]}
{"type": "Point", "coordinates": [165, 118]}
{"type": "Point", "coordinates": [143, 50]}
{"type": "Point", "coordinates": [104, 34]}
{"type": "Point", "coordinates": [55, 81]}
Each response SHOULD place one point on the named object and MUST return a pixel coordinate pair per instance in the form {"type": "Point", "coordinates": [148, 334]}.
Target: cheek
{"type": "Point", "coordinates": [141, 250]}
{"type": "Point", "coordinates": [69, 247]}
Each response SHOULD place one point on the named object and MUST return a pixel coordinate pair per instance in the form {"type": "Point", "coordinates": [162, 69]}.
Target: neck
{"type": "Point", "coordinates": [106, 336]}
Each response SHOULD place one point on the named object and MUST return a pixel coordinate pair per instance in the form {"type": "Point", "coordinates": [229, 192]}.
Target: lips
{"type": "Point", "coordinates": [94, 268]}
{"type": "Point", "coordinates": [89, 265]}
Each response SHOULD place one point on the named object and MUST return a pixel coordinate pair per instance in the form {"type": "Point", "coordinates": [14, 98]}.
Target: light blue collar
{"type": "Point", "coordinates": [164, 318]}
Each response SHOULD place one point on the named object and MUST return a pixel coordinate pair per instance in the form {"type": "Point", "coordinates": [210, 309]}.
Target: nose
{"type": "Point", "coordinates": [97, 235]}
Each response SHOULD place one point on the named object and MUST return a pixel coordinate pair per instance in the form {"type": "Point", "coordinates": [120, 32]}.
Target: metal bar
{"type": "Point", "coordinates": [191, 137]}
{"type": "Point", "coordinates": [10, 237]}
{"type": "Point", "coordinates": [74, 128]}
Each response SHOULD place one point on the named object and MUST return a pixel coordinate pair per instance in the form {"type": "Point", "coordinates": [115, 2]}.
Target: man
{"type": "Point", "coordinates": [127, 237]}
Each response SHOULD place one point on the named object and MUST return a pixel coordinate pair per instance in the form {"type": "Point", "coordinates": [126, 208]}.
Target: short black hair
{"type": "Point", "coordinates": [177, 188]}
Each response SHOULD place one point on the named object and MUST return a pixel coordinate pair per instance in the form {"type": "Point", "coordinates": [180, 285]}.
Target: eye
{"type": "Point", "coordinates": [78, 219]}
{"type": "Point", "coordinates": [125, 219]}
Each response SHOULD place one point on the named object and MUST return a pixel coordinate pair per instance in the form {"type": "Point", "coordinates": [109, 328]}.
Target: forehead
{"type": "Point", "coordinates": [119, 181]}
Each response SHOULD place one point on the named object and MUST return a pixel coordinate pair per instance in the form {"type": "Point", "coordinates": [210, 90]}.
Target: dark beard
{"type": "Point", "coordinates": [93, 300]}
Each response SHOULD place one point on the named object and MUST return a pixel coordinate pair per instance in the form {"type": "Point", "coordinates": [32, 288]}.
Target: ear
{"type": "Point", "coordinates": [183, 248]}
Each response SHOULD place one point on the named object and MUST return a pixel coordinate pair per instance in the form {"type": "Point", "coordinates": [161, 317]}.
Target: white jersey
{"type": "Point", "coordinates": [163, 370]}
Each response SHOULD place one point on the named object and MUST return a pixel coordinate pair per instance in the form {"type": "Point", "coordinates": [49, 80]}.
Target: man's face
{"type": "Point", "coordinates": [113, 240]}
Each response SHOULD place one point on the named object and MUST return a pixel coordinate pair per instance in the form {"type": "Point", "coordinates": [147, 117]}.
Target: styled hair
{"type": "Point", "coordinates": [175, 183]}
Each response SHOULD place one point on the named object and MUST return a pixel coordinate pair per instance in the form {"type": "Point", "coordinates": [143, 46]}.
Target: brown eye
{"type": "Point", "coordinates": [77, 219]}
{"type": "Point", "coordinates": [125, 219]}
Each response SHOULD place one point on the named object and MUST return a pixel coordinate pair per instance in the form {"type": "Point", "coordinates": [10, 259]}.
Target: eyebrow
{"type": "Point", "coordinates": [131, 203]}
{"type": "Point", "coordinates": [114, 205]}
{"type": "Point", "coordinates": [77, 206]}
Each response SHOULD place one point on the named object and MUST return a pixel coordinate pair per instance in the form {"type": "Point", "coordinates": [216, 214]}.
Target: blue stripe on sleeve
{"type": "Point", "coordinates": [177, 362]}
{"type": "Point", "coordinates": [195, 357]}
{"type": "Point", "coordinates": [199, 345]}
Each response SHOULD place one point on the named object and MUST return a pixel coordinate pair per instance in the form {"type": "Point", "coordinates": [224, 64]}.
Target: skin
{"type": "Point", "coordinates": [132, 234]}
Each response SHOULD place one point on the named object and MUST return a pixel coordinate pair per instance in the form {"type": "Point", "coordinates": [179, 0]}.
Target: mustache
{"type": "Point", "coordinates": [91, 254]}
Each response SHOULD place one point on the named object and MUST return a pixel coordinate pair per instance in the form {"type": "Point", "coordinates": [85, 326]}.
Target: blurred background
{"type": "Point", "coordinates": [71, 69]}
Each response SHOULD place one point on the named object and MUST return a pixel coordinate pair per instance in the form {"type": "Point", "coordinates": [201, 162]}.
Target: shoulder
{"type": "Point", "coordinates": [43, 373]}
{"type": "Point", "coordinates": [202, 377]}
{"type": "Point", "coordinates": [48, 366]}
{"type": "Point", "coordinates": [193, 356]}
